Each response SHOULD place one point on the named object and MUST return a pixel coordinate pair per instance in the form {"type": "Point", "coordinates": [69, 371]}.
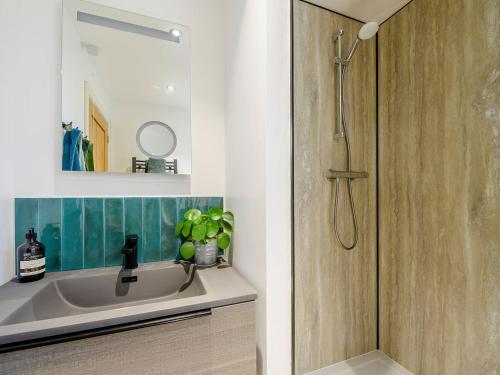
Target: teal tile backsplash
{"type": "Point", "coordinates": [49, 215]}
{"type": "Point", "coordinates": [115, 231]}
{"type": "Point", "coordinates": [89, 232]}
{"type": "Point", "coordinates": [133, 221]}
{"type": "Point", "coordinates": [151, 233]}
{"type": "Point", "coordinates": [72, 233]}
{"type": "Point", "coordinates": [168, 223]}
{"type": "Point", "coordinates": [93, 233]}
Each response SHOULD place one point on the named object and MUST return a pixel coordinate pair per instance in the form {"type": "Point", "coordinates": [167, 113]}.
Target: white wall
{"type": "Point", "coordinates": [128, 117]}
{"type": "Point", "coordinates": [245, 148]}
{"type": "Point", "coordinates": [29, 102]}
{"type": "Point", "coordinates": [30, 106]}
{"type": "Point", "coordinates": [258, 184]}
{"type": "Point", "coordinates": [253, 150]}
{"type": "Point", "coordinates": [278, 189]}
{"type": "Point", "coordinates": [6, 253]}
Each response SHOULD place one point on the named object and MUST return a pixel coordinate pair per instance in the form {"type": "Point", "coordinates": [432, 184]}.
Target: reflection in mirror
{"type": "Point", "coordinates": [125, 92]}
{"type": "Point", "coordinates": [156, 139]}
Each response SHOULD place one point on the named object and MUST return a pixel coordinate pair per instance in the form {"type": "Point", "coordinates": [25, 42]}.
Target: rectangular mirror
{"type": "Point", "coordinates": [125, 92]}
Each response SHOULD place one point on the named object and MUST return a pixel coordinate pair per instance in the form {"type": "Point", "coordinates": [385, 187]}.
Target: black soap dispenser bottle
{"type": "Point", "coordinates": [30, 259]}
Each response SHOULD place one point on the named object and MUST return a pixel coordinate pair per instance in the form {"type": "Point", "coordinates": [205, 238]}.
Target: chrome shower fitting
{"type": "Point", "coordinates": [367, 31]}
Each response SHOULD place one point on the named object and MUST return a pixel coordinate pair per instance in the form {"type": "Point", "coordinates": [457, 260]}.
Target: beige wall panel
{"type": "Point", "coordinates": [335, 289]}
{"type": "Point", "coordinates": [439, 191]}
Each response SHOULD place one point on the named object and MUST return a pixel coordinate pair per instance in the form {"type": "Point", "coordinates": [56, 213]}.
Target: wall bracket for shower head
{"type": "Point", "coordinates": [337, 38]}
{"type": "Point", "coordinates": [338, 34]}
{"type": "Point", "coordinates": [367, 31]}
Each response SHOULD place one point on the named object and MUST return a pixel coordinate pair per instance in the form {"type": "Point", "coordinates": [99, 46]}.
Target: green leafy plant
{"type": "Point", "coordinates": [215, 224]}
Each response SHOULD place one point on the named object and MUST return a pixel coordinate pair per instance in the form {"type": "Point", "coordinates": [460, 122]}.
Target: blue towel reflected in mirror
{"type": "Point", "coordinates": [74, 151]}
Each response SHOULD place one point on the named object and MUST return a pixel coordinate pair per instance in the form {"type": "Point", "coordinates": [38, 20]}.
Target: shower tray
{"type": "Point", "coordinates": [372, 363]}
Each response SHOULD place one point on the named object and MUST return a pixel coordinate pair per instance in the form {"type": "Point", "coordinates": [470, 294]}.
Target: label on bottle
{"type": "Point", "coordinates": [31, 267]}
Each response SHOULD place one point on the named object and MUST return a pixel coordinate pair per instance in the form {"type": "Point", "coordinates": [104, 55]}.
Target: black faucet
{"type": "Point", "coordinates": [130, 251]}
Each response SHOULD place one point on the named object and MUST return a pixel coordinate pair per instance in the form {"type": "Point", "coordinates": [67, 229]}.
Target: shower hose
{"type": "Point", "coordinates": [349, 181]}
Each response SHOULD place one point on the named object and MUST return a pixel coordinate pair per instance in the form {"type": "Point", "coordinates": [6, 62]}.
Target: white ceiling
{"type": "Point", "coordinates": [363, 10]}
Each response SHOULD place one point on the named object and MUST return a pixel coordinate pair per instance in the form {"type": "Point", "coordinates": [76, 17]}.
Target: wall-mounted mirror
{"type": "Point", "coordinates": [125, 92]}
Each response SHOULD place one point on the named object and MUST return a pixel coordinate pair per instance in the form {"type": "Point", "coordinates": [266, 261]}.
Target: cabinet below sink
{"type": "Point", "coordinates": [220, 342]}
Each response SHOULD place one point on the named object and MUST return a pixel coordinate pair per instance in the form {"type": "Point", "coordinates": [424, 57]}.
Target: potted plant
{"type": "Point", "coordinates": [204, 233]}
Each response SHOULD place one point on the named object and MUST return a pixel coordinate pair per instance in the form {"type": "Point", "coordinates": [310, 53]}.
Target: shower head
{"type": "Point", "coordinates": [367, 31]}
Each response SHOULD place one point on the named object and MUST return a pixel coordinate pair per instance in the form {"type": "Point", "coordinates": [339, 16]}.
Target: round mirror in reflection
{"type": "Point", "coordinates": [156, 139]}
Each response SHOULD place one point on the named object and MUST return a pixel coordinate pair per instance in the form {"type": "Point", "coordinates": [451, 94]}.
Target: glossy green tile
{"type": "Point", "coordinates": [50, 215]}
{"type": "Point", "coordinates": [215, 202]}
{"type": "Point", "coordinates": [151, 229]}
{"type": "Point", "coordinates": [93, 233]}
{"type": "Point", "coordinates": [133, 222]}
{"type": "Point", "coordinates": [26, 217]}
{"type": "Point", "coordinates": [169, 242]}
{"type": "Point", "coordinates": [184, 204]}
{"type": "Point", "coordinates": [72, 234]}
{"type": "Point", "coordinates": [114, 231]}
{"type": "Point", "coordinates": [201, 203]}
{"type": "Point", "coordinates": [86, 233]}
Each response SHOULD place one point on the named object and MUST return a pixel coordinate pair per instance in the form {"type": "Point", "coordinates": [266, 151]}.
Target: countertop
{"type": "Point", "coordinates": [223, 285]}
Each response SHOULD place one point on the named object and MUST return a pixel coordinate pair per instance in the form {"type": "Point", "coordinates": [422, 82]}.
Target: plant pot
{"type": "Point", "coordinates": [206, 254]}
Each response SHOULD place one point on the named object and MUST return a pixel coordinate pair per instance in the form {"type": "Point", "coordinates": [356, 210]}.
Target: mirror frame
{"type": "Point", "coordinates": [144, 127]}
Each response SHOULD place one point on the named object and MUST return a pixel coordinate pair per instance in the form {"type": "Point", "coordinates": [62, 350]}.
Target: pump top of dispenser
{"type": "Point", "coordinates": [31, 234]}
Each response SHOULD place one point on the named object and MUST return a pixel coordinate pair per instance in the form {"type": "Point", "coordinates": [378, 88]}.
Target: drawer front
{"type": "Point", "coordinates": [233, 340]}
{"type": "Point", "coordinates": [221, 343]}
